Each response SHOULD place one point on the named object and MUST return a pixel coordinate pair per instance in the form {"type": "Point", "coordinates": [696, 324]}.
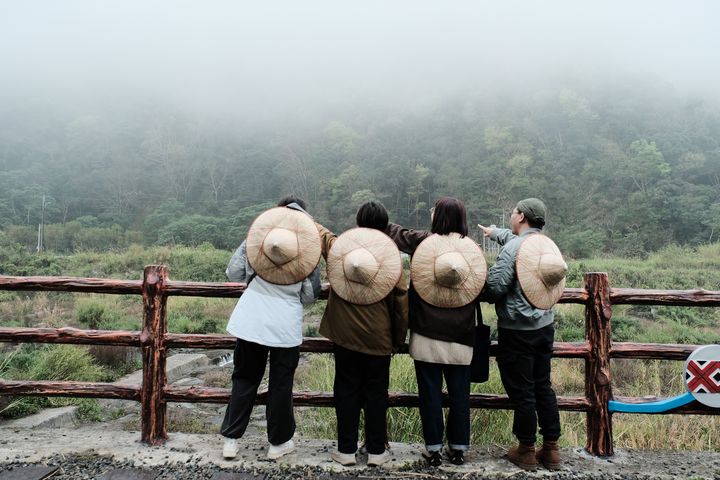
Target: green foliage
{"type": "Point", "coordinates": [192, 230]}
{"type": "Point", "coordinates": [66, 362]}
{"type": "Point", "coordinates": [624, 170]}
{"type": "Point", "coordinates": [50, 362]}
{"type": "Point", "coordinates": [185, 263]}
{"type": "Point", "coordinates": [90, 314]}
{"type": "Point", "coordinates": [190, 315]}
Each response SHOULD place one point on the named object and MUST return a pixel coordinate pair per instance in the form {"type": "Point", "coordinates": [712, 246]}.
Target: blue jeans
{"type": "Point", "coordinates": [430, 382]}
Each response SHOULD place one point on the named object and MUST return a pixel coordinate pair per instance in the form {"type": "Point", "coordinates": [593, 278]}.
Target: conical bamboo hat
{"type": "Point", "coordinates": [283, 245]}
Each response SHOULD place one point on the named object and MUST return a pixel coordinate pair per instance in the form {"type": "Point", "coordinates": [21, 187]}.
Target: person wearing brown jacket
{"type": "Point", "coordinates": [364, 337]}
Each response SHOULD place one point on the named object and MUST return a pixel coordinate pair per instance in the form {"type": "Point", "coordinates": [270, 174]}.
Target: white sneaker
{"type": "Point", "coordinates": [345, 459]}
{"type": "Point", "coordinates": [277, 451]}
{"type": "Point", "coordinates": [230, 448]}
{"type": "Point", "coordinates": [379, 459]}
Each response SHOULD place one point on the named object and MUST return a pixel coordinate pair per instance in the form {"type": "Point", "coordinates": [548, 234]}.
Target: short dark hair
{"type": "Point", "coordinates": [288, 199]}
{"type": "Point", "coordinates": [536, 224]}
{"type": "Point", "coordinates": [449, 217]}
{"type": "Point", "coordinates": [372, 215]}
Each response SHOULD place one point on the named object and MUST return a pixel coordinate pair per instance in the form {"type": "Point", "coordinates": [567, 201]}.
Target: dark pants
{"type": "Point", "coordinates": [361, 382]}
{"type": "Point", "coordinates": [250, 360]}
{"type": "Point", "coordinates": [430, 381]}
{"type": "Point", "coordinates": [524, 361]}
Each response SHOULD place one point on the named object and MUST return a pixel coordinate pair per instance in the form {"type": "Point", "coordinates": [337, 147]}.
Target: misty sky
{"type": "Point", "coordinates": [247, 57]}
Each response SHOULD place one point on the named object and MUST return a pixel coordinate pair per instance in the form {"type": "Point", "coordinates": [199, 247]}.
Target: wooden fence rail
{"type": "Point", "coordinates": [154, 340]}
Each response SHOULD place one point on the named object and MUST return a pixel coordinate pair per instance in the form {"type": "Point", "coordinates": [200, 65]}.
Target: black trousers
{"type": "Point", "coordinates": [524, 361]}
{"type": "Point", "coordinates": [430, 382]}
{"type": "Point", "coordinates": [250, 360]}
{"type": "Point", "coordinates": [361, 382]}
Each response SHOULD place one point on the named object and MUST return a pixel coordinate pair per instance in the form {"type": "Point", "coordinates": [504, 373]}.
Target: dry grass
{"type": "Point", "coordinates": [220, 378]}
{"type": "Point", "coordinates": [634, 378]}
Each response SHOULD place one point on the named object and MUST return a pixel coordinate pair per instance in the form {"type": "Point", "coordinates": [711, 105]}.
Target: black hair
{"type": "Point", "coordinates": [288, 199]}
{"type": "Point", "coordinates": [372, 215]}
{"type": "Point", "coordinates": [449, 216]}
{"type": "Point", "coordinates": [537, 224]}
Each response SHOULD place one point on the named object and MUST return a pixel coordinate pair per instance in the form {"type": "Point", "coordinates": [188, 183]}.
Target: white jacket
{"type": "Point", "coordinates": [271, 314]}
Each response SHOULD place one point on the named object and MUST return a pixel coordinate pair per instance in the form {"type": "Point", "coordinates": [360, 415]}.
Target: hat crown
{"type": "Point", "coordinates": [451, 269]}
{"type": "Point", "coordinates": [360, 266]}
{"type": "Point", "coordinates": [280, 246]}
{"type": "Point", "coordinates": [552, 269]}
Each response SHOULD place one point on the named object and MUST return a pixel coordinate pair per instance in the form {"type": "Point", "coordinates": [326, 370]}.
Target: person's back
{"type": "Point", "coordinates": [364, 331]}
{"type": "Point", "coordinates": [525, 343]}
{"type": "Point", "coordinates": [267, 321]}
{"type": "Point", "coordinates": [441, 343]}
{"type": "Point", "coordinates": [512, 308]}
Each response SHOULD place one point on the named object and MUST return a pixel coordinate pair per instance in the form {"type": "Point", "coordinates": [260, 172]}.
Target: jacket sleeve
{"type": "Point", "coordinates": [406, 239]}
{"type": "Point", "coordinates": [502, 235]}
{"type": "Point", "coordinates": [307, 294]}
{"type": "Point", "coordinates": [399, 313]}
{"type": "Point", "coordinates": [327, 238]}
{"type": "Point", "coordinates": [501, 275]}
{"type": "Point", "coordinates": [236, 270]}
{"type": "Point", "coordinates": [315, 281]}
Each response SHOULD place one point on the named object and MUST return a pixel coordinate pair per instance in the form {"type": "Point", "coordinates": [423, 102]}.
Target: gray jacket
{"type": "Point", "coordinates": [513, 310]}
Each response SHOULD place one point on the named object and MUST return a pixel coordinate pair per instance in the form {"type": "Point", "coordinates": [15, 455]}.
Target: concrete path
{"type": "Point", "coordinates": [18, 445]}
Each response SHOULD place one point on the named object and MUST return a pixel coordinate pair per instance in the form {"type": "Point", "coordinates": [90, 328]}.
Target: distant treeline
{"type": "Point", "coordinates": [622, 170]}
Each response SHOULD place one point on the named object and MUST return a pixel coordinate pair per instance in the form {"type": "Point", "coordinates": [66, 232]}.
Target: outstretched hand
{"type": "Point", "coordinates": [486, 230]}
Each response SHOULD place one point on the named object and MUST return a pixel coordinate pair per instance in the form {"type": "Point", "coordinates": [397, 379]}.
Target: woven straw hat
{"type": "Point", "coordinates": [283, 245]}
{"type": "Point", "coordinates": [541, 271]}
{"type": "Point", "coordinates": [363, 266]}
{"type": "Point", "coordinates": [448, 271]}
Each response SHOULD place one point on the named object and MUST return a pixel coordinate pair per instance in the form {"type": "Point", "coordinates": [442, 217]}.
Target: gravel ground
{"type": "Point", "coordinates": [90, 467]}
{"type": "Point", "coordinates": [89, 453]}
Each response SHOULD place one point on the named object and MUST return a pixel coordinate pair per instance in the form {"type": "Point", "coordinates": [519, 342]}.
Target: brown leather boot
{"type": "Point", "coordinates": [523, 456]}
{"type": "Point", "coordinates": [549, 455]}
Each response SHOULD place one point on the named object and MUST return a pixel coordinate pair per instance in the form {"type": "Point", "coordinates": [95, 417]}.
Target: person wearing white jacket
{"type": "Point", "coordinates": [267, 320]}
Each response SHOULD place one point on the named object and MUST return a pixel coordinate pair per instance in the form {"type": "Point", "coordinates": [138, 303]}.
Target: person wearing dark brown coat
{"type": "Point", "coordinates": [441, 343]}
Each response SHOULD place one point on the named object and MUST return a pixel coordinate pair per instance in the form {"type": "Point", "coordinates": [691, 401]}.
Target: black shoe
{"type": "Point", "coordinates": [456, 457]}
{"type": "Point", "coordinates": [434, 459]}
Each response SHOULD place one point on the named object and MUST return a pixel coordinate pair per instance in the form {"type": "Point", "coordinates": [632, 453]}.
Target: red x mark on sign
{"type": "Point", "coordinates": [701, 375]}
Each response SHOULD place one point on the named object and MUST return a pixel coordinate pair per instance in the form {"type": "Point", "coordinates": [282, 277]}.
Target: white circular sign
{"type": "Point", "coordinates": [702, 375]}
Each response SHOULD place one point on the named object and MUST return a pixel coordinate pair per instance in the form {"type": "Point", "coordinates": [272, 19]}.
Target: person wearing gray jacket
{"type": "Point", "coordinates": [525, 343]}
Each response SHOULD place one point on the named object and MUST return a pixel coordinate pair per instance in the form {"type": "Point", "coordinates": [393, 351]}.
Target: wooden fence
{"type": "Point", "coordinates": [154, 340]}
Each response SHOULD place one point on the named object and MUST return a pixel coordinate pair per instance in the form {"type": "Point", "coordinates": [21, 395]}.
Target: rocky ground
{"type": "Point", "coordinates": [90, 452]}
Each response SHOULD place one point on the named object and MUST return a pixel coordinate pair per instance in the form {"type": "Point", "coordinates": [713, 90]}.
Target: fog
{"type": "Point", "coordinates": [265, 60]}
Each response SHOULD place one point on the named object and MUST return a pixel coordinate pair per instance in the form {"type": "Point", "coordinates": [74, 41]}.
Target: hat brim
{"type": "Point", "coordinates": [308, 239]}
{"type": "Point", "coordinates": [422, 271]}
{"type": "Point", "coordinates": [385, 253]}
{"type": "Point", "coordinates": [528, 258]}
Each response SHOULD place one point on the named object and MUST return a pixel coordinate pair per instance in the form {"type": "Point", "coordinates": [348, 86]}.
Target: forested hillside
{"type": "Point", "coordinates": [623, 169]}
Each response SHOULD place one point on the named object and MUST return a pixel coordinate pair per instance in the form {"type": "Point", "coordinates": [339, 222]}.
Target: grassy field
{"type": "Point", "coordinates": [673, 267]}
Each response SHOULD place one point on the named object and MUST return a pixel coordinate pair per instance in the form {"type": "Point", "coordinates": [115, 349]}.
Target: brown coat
{"type": "Point", "coordinates": [376, 329]}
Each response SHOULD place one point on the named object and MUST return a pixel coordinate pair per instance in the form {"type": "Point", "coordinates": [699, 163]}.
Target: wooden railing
{"type": "Point", "coordinates": [154, 340]}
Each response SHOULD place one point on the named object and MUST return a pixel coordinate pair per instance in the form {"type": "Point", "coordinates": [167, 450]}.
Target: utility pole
{"type": "Point", "coordinates": [41, 228]}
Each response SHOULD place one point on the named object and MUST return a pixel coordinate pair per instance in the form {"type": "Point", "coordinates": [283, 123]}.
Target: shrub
{"type": "Point", "coordinates": [53, 362]}
{"type": "Point", "coordinates": [90, 313]}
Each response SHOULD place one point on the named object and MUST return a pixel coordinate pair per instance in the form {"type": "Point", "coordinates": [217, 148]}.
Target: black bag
{"type": "Point", "coordinates": [480, 365]}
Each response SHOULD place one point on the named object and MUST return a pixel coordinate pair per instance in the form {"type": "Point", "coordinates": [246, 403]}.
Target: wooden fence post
{"type": "Point", "coordinates": [598, 387]}
{"type": "Point", "coordinates": [153, 405]}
